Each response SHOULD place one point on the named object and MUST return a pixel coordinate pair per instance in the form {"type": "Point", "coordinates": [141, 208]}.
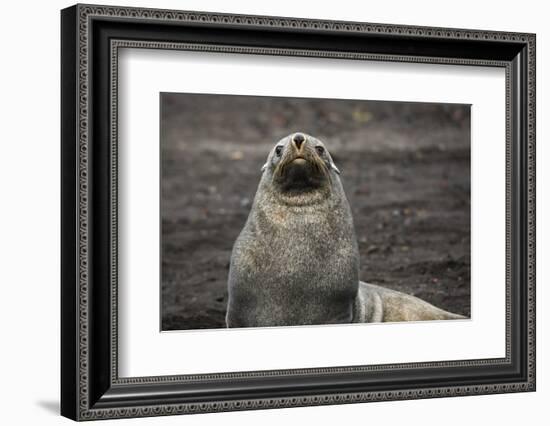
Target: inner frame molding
{"type": "Point", "coordinates": [116, 46]}
{"type": "Point", "coordinates": [91, 37]}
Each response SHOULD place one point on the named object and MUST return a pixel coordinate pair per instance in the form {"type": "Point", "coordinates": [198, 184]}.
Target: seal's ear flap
{"type": "Point", "coordinates": [333, 167]}
{"type": "Point", "coordinates": [264, 167]}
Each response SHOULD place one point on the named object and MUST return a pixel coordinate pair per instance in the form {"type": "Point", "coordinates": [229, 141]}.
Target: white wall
{"type": "Point", "coordinates": [29, 225]}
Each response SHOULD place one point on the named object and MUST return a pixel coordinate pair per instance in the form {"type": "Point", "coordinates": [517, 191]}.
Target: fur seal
{"type": "Point", "coordinates": [296, 261]}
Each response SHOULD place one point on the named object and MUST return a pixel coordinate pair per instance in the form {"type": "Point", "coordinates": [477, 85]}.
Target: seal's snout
{"type": "Point", "coordinates": [298, 140]}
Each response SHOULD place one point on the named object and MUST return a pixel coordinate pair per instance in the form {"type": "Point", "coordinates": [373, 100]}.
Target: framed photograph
{"type": "Point", "coordinates": [263, 212]}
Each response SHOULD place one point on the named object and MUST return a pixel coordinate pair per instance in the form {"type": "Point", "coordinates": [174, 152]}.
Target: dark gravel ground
{"type": "Point", "coordinates": [405, 168]}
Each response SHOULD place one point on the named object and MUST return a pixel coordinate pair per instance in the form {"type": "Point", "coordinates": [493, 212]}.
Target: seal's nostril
{"type": "Point", "coordinates": [298, 140]}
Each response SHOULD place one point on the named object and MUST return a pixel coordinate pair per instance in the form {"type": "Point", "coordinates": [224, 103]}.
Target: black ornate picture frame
{"type": "Point", "coordinates": [90, 385]}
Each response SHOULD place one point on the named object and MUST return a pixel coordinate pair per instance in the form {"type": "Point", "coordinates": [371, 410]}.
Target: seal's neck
{"type": "Point", "coordinates": [311, 198]}
{"type": "Point", "coordinates": [298, 196]}
{"type": "Point", "coordinates": [295, 212]}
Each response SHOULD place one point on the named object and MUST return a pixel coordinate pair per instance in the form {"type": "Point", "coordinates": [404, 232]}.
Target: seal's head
{"type": "Point", "coordinates": [300, 163]}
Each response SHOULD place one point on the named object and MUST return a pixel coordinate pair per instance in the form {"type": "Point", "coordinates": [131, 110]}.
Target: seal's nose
{"type": "Point", "coordinates": [298, 140]}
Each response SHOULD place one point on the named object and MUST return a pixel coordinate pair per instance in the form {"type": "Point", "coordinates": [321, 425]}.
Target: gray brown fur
{"type": "Point", "coordinates": [296, 261]}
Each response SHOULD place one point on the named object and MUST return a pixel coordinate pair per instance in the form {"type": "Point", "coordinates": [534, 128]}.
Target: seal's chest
{"type": "Point", "coordinates": [305, 240]}
{"type": "Point", "coordinates": [308, 224]}
{"type": "Point", "coordinates": [308, 251]}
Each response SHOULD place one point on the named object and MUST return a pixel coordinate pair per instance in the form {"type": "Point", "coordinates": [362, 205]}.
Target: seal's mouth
{"type": "Point", "coordinates": [300, 170]}
{"type": "Point", "coordinates": [299, 160]}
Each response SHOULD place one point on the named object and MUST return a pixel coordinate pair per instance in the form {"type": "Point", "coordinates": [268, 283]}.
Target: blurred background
{"type": "Point", "coordinates": [405, 169]}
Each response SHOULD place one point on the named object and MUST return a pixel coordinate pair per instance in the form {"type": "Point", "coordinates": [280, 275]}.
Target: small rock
{"type": "Point", "coordinates": [361, 116]}
{"type": "Point", "coordinates": [237, 155]}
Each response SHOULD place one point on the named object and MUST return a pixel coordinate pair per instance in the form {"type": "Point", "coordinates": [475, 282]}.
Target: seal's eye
{"type": "Point", "coordinates": [320, 150]}
{"type": "Point", "coordinates": [278, 150]}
